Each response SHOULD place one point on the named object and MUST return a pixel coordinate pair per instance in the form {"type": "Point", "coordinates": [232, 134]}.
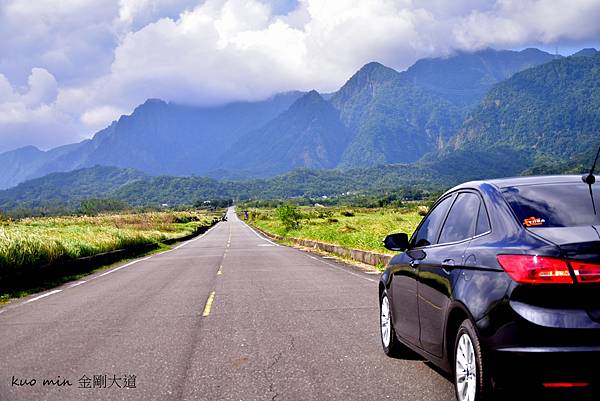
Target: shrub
{"type": "Point", "coordinates": [289, 216]}
{"type": "Point", "coordinates": [91, 207]}
{"type": "Point", "coordinates": [347, 213]}
{"type": "Point", "coordinates": [324, 214]}
{"type": "Point", "coordinates": [347, 228]}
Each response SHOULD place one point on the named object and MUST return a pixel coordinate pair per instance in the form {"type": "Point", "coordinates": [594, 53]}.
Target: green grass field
{"type": "Point", "coordinates": [36, 242]}
{"type": "Point", "coordinates": [349, 227]}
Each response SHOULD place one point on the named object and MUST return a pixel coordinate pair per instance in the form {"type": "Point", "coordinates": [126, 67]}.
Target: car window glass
{"type": "Point", "coordinates": [428, 230]}
{"type": "Point", "coordinates": [483, 221]}
{"type": "Point", "coordinates": [555, 205]}
{"type": "Point", "coordinates": [460, 222]}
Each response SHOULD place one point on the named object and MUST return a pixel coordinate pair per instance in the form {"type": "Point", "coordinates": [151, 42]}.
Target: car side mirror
{"type": "Point", "coordinates": [396, 242]}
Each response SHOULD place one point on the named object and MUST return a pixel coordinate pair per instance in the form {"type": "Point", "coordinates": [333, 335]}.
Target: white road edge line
{"type": "Point", "coordinates": [120, 267]}
{"type": "Point", "coordinates": [346, 271]}
{"type": "Point", "coordinates": [41, 296]}
{"type": "Point", "coordinates": [192, 240]}
{"type": "Point", "coordinates": [260, 236]}
{"type": "Point", "coordinates": [313, 257]}
{"type": "Point", "coordinates": [78, 283]}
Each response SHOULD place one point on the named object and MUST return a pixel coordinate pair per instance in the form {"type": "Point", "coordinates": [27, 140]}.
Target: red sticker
{"type": "Point", "coordinates": [533, 221]}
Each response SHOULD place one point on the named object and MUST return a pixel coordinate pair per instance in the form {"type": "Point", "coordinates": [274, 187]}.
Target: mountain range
{"type": "Point", "coordinates": [442, 121]}
{"type": "Point", "coordinates": [378, 116]}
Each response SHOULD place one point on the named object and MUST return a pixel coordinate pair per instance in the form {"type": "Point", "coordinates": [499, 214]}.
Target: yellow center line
{"type": "Point", "coordinates": [209, 302]}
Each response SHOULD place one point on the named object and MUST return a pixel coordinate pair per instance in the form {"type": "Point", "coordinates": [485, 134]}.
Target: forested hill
{"type": "Point", "coordinates": [550, 112]}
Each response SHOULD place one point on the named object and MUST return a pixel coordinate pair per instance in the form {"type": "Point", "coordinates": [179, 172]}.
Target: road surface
{"type": "Point", "coordinates": [225, 316]}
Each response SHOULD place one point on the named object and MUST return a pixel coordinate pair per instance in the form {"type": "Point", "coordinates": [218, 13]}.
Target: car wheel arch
{"type": "Point", "coordinates": [457, 313]}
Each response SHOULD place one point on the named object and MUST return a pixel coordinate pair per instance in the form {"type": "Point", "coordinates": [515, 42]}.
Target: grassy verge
{"type": "Point", "coordinates": [40, 253]}
{"type": "Point", "coordinates": [348, 227]}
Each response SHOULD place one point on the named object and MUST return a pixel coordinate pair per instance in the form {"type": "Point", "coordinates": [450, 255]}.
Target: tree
{"type": "Point", "coordinates": [289, 216]}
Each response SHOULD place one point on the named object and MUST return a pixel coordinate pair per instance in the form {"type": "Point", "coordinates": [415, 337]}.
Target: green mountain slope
{"type": "Point", "coordinates": [67, 188]}
{"type": "Point", "coordinates": [549, 113]}
{"type": "Point", "coordinates": [393, 120]}
{"type": "Point", "coordinates": [165, 138]}
{"type": "Point", "coordinates": [308, 134]}
{"type": "Point", "coordinates": [464, 78]}
{"type": "Point", "coordinates": [157, 138]}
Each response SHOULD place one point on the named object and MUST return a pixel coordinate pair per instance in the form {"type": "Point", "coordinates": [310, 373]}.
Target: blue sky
{"type": "Point", "coordinates": [70, 67]}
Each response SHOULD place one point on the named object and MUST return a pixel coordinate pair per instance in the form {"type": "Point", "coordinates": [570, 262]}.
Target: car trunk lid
{"type": "Point", "coordinates": [581, 247]}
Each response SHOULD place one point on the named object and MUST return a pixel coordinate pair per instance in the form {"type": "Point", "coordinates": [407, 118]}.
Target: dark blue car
{"type": "Point", "coordinates": [500, 285]}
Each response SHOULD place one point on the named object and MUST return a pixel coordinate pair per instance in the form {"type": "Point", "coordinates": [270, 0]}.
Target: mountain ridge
{"type": "Point", "coordinates": [386, 117]}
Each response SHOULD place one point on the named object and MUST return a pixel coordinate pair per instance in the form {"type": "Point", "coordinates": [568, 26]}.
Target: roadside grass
{"type": "Point", "coordinates": [354, 228]}
{"type": "Point", "coordinates": [34, 250]}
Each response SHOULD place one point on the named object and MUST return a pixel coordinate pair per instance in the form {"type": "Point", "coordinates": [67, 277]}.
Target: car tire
{"type": "Point", "coordinates": [391, 346]}
{"type": "Point", "coordinates": [472, 380]}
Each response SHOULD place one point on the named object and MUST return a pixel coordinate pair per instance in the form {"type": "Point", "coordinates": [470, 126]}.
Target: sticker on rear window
{"type": "Point", "coordinates": [533, 222]}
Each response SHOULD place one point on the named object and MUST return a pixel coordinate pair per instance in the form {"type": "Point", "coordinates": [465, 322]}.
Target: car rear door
{"type": "Point", "coordinates": [438, 269]}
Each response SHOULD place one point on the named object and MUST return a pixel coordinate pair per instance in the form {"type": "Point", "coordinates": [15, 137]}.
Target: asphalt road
{"type": "Point", "coordinates": [282, 325]}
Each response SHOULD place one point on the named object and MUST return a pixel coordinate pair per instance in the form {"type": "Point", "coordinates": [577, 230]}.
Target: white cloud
{"type": "Point", "coordinates": [516, 22]}
{"type": "Point", "coordinates": [100, 116]}
{"type": "Point", "coordinates": [105, 57]}
{"type": "Point", "coordinates": [29, 115]}
{"type": "Point", "coordinates": [43, 88]}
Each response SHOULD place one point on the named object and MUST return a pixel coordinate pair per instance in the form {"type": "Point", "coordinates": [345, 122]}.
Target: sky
{"type": "Point", "coordinates": [70, 67]}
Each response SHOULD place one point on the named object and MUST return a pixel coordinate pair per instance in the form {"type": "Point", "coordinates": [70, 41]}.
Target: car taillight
{"type": "Point", "coordinates": [529, 269]}
{"type": "Point", "coordinates": [565, 385]}
{"type": "Point", "coordinates": [586, 272]}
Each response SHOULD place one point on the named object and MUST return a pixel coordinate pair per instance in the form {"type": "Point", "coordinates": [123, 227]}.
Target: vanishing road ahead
{"type": "Point", "coordinates": [283, 325]}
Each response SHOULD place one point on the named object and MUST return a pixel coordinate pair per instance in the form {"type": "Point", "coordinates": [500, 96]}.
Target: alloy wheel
{"type": "Point", "coordinates": [466, 369]}
{"type": "Point", "coordinates": [385, 321]}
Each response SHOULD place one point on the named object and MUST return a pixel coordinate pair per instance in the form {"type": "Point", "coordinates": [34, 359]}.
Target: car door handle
{"type": "Point", "coordinates": [447, 265]}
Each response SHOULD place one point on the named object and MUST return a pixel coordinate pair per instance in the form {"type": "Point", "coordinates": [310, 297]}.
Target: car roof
{"type": "Point", "coordinates": [519, 181]}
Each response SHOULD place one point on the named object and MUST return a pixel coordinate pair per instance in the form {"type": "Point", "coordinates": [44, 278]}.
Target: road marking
{"type": "Point", "coordinates": [78, 283]}
{"type": "Point", "coordinates": [264, 245]}
{"type": "Point", "coordinates": [42, 296]}
{"type": "Point", "coordinates": [338, 267]}
{"type": "Point", "coordinates": [195, 239]}
{"type": "Point", "coordinates": [120, 267]}
{"type": "Point", "coordinates": [260, 236]}
{"type": "Point", "coordinates": [312, 257]}
{"type": "Point", "coordinates": [220, 271]}
{"type": "Point", "coordinates": [208, 305]}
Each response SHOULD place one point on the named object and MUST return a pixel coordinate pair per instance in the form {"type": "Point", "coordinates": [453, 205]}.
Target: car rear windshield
{"type": "Point", "coordinates": [554, 205]}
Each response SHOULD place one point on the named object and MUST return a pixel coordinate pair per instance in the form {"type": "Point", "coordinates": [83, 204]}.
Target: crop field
{"type": "Point", "coordinates": [34, 242]}
{"type": "Point", "coordinates": [355, 228]}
